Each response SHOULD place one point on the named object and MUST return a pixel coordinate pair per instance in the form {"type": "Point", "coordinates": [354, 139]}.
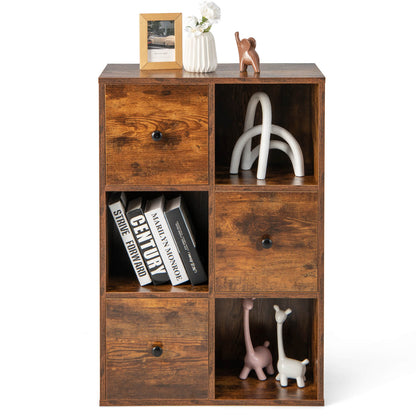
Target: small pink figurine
{"type": "Point", "coordinates": [256, 358]}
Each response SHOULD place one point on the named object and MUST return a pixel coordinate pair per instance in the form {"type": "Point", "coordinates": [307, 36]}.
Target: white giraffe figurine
{"type": "Point", "coordinates": [287, 367]}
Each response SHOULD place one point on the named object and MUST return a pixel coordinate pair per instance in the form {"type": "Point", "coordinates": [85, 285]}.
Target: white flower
{"type": "Point", "coordinates": [205, 25]}
{"type": "Point", "coordinates": [195, 30]}
{"type": "Point", "coordinates": [211, 11]}
{"type": "Point", "coordinates": [191, 21]}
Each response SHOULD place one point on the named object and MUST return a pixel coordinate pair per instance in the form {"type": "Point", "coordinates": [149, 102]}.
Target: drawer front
{"type": "Point", "coordinates": [243, 221]}
{"type": "Point", "coordinates": [179, 327]}
{"type": "Point", "coordinates": [134, 112]}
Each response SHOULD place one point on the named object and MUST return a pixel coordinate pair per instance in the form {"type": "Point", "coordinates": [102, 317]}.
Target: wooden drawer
{"type": "Point", "coordinates": [178, 326]}
{"type": "Point", "coordinates": [243, 221]}
{"type": "Point", "coordinates": [134, 112]}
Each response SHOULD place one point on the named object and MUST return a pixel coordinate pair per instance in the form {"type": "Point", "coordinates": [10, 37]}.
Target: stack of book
{"type": "Point", "coordinates": [158, 238]}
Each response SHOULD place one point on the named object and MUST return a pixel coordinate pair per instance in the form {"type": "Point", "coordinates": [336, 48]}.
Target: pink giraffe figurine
{"type": "Point", "coordinates": [256, 358]}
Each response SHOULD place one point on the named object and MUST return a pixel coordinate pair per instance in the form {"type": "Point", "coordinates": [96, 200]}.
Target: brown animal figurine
{"type": "Point", "coordinates": [256, 358]}
{"type": "Point", "coordinates": [247, 53]}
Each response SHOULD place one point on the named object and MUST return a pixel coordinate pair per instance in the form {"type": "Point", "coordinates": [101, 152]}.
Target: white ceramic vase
{"type": "Point", "coordinates": [200, 54]}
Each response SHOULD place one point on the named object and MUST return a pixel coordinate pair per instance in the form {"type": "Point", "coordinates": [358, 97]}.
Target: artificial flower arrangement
{"type": "Point", "coordinates": [210, 14]}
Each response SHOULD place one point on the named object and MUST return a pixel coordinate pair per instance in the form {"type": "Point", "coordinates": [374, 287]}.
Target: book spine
{"type": "Point", "coordinates": [119, 215]}
{"type": "Point", "coordinates": [147, 246]}
{"type": "Point", "coordinates": [167, 248]}
{"type": "Point", "coordinates": [187, 251]}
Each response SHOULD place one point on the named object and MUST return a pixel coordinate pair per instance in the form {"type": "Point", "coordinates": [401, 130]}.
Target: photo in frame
{"type": "Point", "coordinates": [160, 41]}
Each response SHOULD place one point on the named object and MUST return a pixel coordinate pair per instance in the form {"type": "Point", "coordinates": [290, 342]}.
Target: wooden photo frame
{"type": "Point", "coordinates": [161, 41]}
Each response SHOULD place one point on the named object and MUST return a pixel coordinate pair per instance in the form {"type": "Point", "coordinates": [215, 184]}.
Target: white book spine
{"type": "Point", "coordinates": [119, 215]}
{"type": "Point", "coordinates": [167, 247]}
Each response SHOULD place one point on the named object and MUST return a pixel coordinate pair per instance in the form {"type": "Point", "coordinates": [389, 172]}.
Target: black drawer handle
{"type": "Point", "coordinates": [157, 351]}
{"type": "Point", "coordinates": [157, 135]}
{"type": "Point", "coordinates": [266, 242]}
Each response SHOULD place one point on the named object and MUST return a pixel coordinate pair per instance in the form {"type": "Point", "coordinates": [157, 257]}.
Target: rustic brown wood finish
{"type": "Point", "coordinates": [134, 112]}
{"type": "Point", "coordinates": [179, 327]}
{"type": "Point", "coordinates": [199, 328]}
{"type": "Point", "coordinates": [242, 221]}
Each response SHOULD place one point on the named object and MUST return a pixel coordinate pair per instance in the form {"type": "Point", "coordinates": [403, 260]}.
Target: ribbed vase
{"type": "Point", "coordinates": [200, 54]}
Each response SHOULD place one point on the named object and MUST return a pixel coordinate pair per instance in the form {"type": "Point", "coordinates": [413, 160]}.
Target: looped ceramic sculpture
{"type": "Point", "coordinates": [247, 53]}
{"type": "Point", "coordinates": [287, 367]}
{"type": "Point", "coordinates": [256, 358]}
{"type": "Point", "coordinates": [242, 149]}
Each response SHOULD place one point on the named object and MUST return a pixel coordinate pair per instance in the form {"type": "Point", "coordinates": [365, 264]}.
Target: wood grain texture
{"type": "Point", "coordinates": [180, 113]}
{"type": "Point", "coordinates": [179, 327]}
{"type": "Point", "coordinates": [246, 180]}
{"type": "Point", "coordinates": [290, 73]}
{"type": "Point", "coordinates": [301, 401]}
{"type": "Point", "coordinates": [298, 332]}
{"type": "Point", "coordinates": [292, 108]}
{"type": "Point", "coordinates": [242, 220]}
{"type": "Point", "coordinates": [202, 347]}
{"type": "Point", "coordinates": [230, 387]}
{"type": "Point", "coordinates": [270, 294]}
{"type": "Point", "coordinates": [103, 241]}
{"type": "Point", "coordinates": [160, 188]}
{"type": "Point", "coordinates": [127, 286]}
{"type": "Point", "coordinates": [167, 318]}
{"type": "Point", "coordinates": [319, 342]}
{"type": "Point", "coordinates": [180, 372]}
{"type": "Point", "coordinates": [211, 242]}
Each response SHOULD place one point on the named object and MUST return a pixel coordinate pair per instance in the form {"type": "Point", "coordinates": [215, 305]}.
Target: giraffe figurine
{"type": "Point", "coordinates": [287, 367]}
{"type": "Point", "coordinates": [256, 358]}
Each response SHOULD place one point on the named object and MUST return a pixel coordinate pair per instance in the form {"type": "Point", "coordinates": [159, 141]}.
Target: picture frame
{"type": "Point", "coordinates": [160, 41]}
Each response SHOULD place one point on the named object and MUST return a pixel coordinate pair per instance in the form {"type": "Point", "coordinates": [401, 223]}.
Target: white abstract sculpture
{"type": "Point", "coordinates": [287, 367]}
{"type": "Point", "coordinates": [242, 149]}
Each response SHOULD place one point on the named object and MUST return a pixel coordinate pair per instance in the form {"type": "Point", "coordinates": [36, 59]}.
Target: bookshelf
{"type": "Point", "coordinates": [197, 331]}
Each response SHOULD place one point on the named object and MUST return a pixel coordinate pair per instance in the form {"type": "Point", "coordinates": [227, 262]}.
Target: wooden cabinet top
{"type": "Point", "coordinates": [225, 73]}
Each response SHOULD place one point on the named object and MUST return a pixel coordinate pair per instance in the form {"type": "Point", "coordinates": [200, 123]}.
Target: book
{"type": "Point", "coordinates": [117, 204]}
{"type": "Point", "coordinates": [145, 241]}
{"type": "Point", "coordinates": [181, 228]}
{"type": "Point", "coordinates": [164, 239]}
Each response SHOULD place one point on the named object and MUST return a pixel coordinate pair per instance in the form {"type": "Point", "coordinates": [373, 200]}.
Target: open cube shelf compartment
{"type": "Point", "coordinates": [294, 107]}
{"type": "Point", "coordinates": [121, 277]}
{"type": "Point", "coordinates": [299, 339]}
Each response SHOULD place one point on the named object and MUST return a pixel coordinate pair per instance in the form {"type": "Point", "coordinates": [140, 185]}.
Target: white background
{"type": "Point", "coordinates": [52, 54]}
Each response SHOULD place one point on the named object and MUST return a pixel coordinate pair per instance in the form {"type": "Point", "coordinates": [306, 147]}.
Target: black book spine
{"type": "Point", "coordinates": [186, 248]}
{"type": "Point", "coordinates": [147, 246]}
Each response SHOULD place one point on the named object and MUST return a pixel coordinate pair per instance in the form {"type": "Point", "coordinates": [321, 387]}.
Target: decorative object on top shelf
{"type": "Point", "coordinates": [200, 54]}
{"type": "Point", "coordinates": [160, 41]}
{"type": "Point", "coordinates": [242, 149]}
{"type": "Point", "coordinates": [256, 358]}
{"type": "Point", "coordinates": [287, 367]}
{"type": "Point", "coordinates": [247, 53]}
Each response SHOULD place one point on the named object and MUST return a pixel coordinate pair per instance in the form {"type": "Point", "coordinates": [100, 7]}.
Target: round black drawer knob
{"type": "Point", "coordinates": [266, 242]}
{"type": "Point", "coordinates": [157, 351]}
{"type": "Point", "coordinates": [157, 135]}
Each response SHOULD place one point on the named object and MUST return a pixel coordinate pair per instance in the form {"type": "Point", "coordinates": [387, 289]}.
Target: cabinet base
{"type": "Point", "coordinates": [211, 402]}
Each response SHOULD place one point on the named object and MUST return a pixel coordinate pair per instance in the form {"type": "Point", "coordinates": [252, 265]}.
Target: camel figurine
{"type": "Point", "coordinates": [256, 358]}
{"type": "Point", "coordinates": [247, 53]}
{"type": "Point", "coordinates": [287, 367]}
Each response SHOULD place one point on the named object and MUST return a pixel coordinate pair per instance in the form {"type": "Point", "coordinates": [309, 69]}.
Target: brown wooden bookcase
{"type": "Point", "coordinates": [199, 328]}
